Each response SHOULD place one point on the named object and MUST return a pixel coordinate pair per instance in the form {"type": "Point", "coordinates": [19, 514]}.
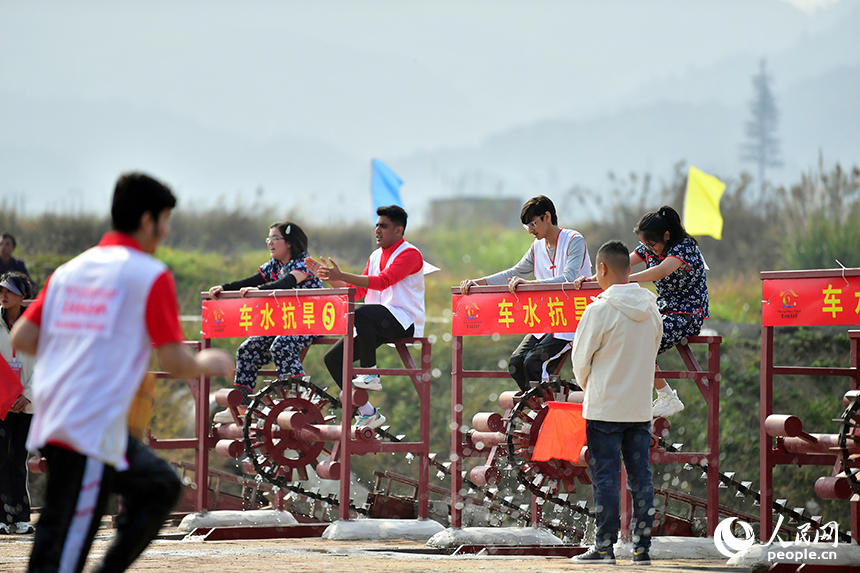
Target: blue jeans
{"type": "Point", "coordinates": [608, 443]}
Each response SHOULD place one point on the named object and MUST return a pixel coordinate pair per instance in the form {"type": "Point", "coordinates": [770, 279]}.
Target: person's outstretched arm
{"type": "Point", "coordinates": [25, 336]}
{"type": "Point", "coordinates": [178, 361]}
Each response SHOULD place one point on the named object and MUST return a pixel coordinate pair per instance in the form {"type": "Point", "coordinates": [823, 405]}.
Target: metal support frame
{"type": "Point", "coordinates": [202, 440]}
{"type": "Point", "coordinates": [770, 456]}
{"type": "Point", "coordinates": [205, 439]}
{"type": "Point", "coordinates": [708, 382]}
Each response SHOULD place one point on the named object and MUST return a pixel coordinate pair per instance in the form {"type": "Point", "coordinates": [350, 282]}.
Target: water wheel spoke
{"type": "Point", "coordinates": [523, 416]}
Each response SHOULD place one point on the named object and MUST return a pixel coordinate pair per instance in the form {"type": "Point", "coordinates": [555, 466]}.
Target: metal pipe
{"type": "Point", "coordinates": [481, 440]}
{"type": "Point", "coordinates": [293, 420]}
{"type": "Point", "coordinates": [823, 444]}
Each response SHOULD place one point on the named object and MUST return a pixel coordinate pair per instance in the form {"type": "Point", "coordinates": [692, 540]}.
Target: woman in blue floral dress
{"type": "Point", "coordinates": [286, 269]}
{"type": "Point", "coordinates": [676, 267]}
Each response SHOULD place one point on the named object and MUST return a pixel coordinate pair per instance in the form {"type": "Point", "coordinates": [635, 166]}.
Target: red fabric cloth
{"type": "Point", "coordinates": [10, 388]}
{"type": "Point", "coordinates": [407, 263]}
{"type": "Point", "coordinates": [562, 433]}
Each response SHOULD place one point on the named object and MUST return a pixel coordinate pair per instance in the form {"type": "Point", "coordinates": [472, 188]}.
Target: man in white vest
{"type": "Point", "coordinates": [556, 256]}
{"type": "Point", "coordinates": [92, 330]}
{"type": "Point", "coordinates": [392, 285]}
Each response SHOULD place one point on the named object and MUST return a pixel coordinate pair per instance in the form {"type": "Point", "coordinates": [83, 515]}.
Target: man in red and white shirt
{"type": "Point", "coordinates": [392, 285]}
{"type": "Point", "coordinates": [92, 329]}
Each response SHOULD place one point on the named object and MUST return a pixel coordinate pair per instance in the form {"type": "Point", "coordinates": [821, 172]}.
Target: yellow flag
{"type": "Point", "coordinates": [702, 204]}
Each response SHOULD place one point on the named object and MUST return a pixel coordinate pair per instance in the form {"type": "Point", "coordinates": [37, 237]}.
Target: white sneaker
{"type": "Point", "coordinates": [22, 528]}
{"type": "Point", "coordinates": [372, 420]}
{"type": "Point", "coordinates": [4, 529]}
{"type": "Point", "coordinates": [666, 405]}
{"type": "Point", "coordinates": [367, 382]}
{"type": "Point", "coordinates": [226, 417]}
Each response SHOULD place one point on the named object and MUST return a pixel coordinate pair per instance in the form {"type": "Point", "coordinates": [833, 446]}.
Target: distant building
{"type": "Point", "coordinates": [504, 212]}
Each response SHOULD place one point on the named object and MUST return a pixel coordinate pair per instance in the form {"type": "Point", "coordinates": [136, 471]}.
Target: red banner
{"type": "Point", "coordinates": [527, 312]}
{"type": "Point", "coordinates": [270, 316]}
{"type": "Point", "coordinates": [828, 301]}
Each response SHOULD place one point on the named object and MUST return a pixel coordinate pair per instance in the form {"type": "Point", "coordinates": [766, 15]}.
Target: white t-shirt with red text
{"type": "Point", "coordinates": [99, 316]}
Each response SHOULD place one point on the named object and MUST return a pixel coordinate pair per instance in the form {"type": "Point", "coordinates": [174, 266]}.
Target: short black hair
{"type": "Point", "coordinates": [11, 238]}
{"type": "Point", "coordinates": [615, 255]}
{"type": "Point", "coordinates": [536, 207]}
{"type": "Point", "coordinates": [135, 194]}
{"type": "Point", "coordinates": [293, 233]}
{"type": "Point", "coordinates": [395, 213]}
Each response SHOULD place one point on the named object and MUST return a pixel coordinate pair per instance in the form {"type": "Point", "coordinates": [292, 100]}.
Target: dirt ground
{"type": "Point", "coordinates": [318, 555]}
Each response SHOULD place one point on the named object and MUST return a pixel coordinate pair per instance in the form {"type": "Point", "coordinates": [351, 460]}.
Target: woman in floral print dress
{"type": "Point", "coordinates": [287, 244]}
{"type": "Point", "coordinates": [676, 267]}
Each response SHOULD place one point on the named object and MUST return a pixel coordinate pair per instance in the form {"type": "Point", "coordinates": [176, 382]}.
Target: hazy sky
{"type": "Point", "coordinates": [382, 78]}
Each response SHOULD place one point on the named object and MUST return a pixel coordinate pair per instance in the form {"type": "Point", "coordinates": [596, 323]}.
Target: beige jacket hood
{"type": "Point", "coordinates": [614, 353]}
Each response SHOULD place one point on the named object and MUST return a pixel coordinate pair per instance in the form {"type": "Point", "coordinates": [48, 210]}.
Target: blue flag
{"type": "Point", "coordinates": [384, 186]}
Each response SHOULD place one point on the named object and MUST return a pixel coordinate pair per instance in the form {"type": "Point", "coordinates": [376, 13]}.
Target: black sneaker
{"type": "Point", "coordinates": [595, 555]}
{"type": "Point", "coordinates": [641, 557]}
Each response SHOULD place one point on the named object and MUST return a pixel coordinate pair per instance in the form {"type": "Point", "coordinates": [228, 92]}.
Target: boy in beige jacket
{"type": "Point", "coordinates": [613, 360]}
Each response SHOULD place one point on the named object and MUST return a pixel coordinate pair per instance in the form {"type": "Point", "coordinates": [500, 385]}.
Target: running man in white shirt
{"type": "Point", "coordinates": [92, 330]}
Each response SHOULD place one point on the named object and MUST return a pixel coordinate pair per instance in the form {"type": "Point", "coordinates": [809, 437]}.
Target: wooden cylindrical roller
{"type": "Point", "coordinates": [292, 420]}
{"type": "Point", "coordinates": [507, 400]}
{"type": "Point", "coordinates": [359, 397]}
{"type": "Point", "coordinates": [230, 448]}
{"type": "Point", "coordinates": [832, 487]}
{"type": "Point", "coordinates": [328, 469]}
{"type": "Point", "coordinates": [488, 422]}
{"type": "Point", "coordinates": [485, 476]}
{"type": "Point", "coordinates": [227, 397]}
{"type": "Point", "coordinates": [37, 465]}
{"type": "Point", "coordinates": [783, 425]}
{"type": "Point", "coordinates": [487, 440]}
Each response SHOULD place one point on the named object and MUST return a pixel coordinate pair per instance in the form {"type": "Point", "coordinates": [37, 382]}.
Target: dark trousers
{"type": "Point", "coordinates": [608, 444]}
{"type": "Point", "coordinates": [374, 326]}
{"type": "Point", "coordinates": [14, 496]}
{"type": "Point", "coordinates": [75, 498]}
{"type": "Point", "coordinates": [527, 361]}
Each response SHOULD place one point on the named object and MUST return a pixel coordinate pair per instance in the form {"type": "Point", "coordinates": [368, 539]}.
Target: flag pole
{"type": "Point", "coordinates": [372, 211]}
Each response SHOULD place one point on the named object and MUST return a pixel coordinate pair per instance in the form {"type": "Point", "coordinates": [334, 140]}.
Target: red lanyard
{"type": "Point", "coordinates": [552, 260]}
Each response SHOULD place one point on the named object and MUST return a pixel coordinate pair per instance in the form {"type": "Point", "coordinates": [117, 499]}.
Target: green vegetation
{"type": "Point", "coordinates": [796, 230]}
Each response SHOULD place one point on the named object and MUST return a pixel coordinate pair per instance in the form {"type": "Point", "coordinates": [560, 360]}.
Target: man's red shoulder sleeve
{"type": "Point", "coordinates": [33, 313]}
{"type": "Point", "coordinates": [162, 312]}
{"type": "Point", "coordinates": [407, 263]}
